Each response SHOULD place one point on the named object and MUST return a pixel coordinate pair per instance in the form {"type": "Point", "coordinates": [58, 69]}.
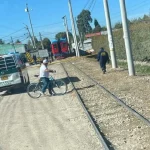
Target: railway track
{"type": "Point", "coordinates": [98, 132]}
{"type": "Point", "coordinates": [120, 124]}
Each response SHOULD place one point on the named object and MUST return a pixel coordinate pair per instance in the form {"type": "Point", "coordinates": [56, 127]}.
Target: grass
{"type": "Point", "coordinates": [139, 69]}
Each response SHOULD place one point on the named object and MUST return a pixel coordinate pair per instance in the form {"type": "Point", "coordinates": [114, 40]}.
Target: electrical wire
{"type": "Point", "coordinates": [86, 4]}
{"type": "Point", "coordinates": [93, 5]}
{"type": "Point", "coordinates": [90, 4]}
{"type": "Point", "coordinates": [12, 33]}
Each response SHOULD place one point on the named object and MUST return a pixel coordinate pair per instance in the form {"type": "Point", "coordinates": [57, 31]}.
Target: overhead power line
{"type": "Point", "coordinates": [48, 25]}
{"type": "Point", "coordinates": [134, 7]}
{"type": "Point", "coordinates": [93, 6]}
{"type": "Point", "coordinates": [86, 4]}
{"type": "Point", "coordinates": [12, 33]}
{"type": "Point", "coordinates": [90, 5]}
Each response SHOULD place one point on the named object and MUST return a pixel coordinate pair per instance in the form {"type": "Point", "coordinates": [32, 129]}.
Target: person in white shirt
{"type": "Point", "coordinates": [44, 76]}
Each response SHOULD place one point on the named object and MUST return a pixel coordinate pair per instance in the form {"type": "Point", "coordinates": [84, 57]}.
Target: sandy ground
{"type": "Point", "coordinates": [47, 123]}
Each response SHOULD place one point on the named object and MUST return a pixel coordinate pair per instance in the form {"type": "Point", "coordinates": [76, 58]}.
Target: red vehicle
{"type": "Point", "coordinates": [60, 48]}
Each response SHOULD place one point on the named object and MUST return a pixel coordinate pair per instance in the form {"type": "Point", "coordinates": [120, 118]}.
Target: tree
{"type": "Point", "coordinates": [29, 45]}
{"type": "Point", "coordinates": [97, 26]}
{"type": "Point", "coordinates": [96, 23]}
{"type": "Point", "coordinates": [146, 17]}
{"type": "Point", "coordinates": [118, 25]}
{"type": "Point", "coordinates": [103, 28]}
{"type": "Point", "coordinates": [1, 41]}
{"type": "Point", "coordinates": [60, 35]}
{"type": "Point", "coordinates": [47, 43]}
{"type": "Point", "coordinates": [83, 23]}
{"type": "Point", "coordinates": [97, 29]}
{"type": "Point", "coordinates": [17, 41]}
{"type": "Point", "coordinates": [63, 35]}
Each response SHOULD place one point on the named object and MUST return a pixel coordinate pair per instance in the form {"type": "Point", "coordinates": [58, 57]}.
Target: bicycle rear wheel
{"type": "Point", "coordinates": [59, 87]}
{"type": "Point", "coordinates": [34, 90]}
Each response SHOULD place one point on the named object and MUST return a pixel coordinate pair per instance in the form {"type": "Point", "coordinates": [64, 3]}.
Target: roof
{"type": "Point", "coordinates": [10, 54]}
{"type": "Point", "coordinates": [61, 40]}
{"type": "Point", "coordinates": [92, 34]}
{"type": "Point", "coordinates": [7, 48]}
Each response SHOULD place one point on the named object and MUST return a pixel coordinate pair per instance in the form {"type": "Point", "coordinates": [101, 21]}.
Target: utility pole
{"type": "Point", "coordinates": [67, 31]}
{"type": "Point", "coordinates": [66, 26]}
{"type": "Point", "coordinates": [41, 40]}
{"type": "Point", "coordinates": [13, 44]}
{"type": "Point", "coordinates": [127, 38]}
{"type": "Point", "coordinates": [110, 35]}
{"type": "Point", "coordinates": [73, 28]}
{"type": "Point", "coordinates": [30, 36]}
{"type": "Point", "coordinates": [79, 34]}
{"type": "Point", "coordinates": [27, 10]}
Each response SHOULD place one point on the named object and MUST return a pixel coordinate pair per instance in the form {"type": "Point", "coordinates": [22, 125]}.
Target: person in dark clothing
{"type": "Point", "coordinates": [103, 58]}
{"type": "Point", "coordinates": [34, 58]}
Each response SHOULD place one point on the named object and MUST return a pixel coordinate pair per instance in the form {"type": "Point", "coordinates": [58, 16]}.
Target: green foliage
{"type": "Point", "coordinates": [96, 23]}
{"type": "Point", "coordinates": [17, 41]}
{"type": "Point", "coordinates": [97, 26]}
{"type": "Point", "coordinates": [118, 25]}
{"type": "Point", "coordinates": [140, 37]}
{"type": "Point", "coordinates": [63, 35]}
{"type": "Point", "coordinates": [103, 28]}
{"type": "Point", "coordinates": [140, 69]}
{"type": "Point", "coordinates": [46, 43]}
{"type": "Point", "coordinates": [60, 35]}
{"type": "Point", "coordinates": [97, 29]}
{"type": "Point", "coordinates": [83, 22]}
{"type": "Point", "coordinates": [100, 41]}
{"type": "Point", "coordinates": [1, 41]}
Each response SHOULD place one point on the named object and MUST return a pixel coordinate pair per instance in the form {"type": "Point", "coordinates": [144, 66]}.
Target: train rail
{"type": "Point", "coordinates": [100, 136]}
{"type": "Point", "coordinates": [120, 102]}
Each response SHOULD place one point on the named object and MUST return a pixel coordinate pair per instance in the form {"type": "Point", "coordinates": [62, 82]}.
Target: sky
{"type": "Point", "coordinates": [47, 15]}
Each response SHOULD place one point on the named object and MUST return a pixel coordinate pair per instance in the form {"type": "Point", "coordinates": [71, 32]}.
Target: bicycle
{"type": "Point", "coordinates": [57, 87]}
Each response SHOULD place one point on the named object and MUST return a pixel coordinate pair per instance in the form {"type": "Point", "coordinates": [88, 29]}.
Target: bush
{"type": "Point", "coordinates": [140, 37]}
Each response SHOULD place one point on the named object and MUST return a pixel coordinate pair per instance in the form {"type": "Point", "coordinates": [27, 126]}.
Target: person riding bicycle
{"type": "Point", "coordinates": [44, 76]}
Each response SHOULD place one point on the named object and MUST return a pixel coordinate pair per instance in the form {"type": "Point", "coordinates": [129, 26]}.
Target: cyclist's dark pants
{"type": "Point", "coordinates": [47, 84]}
{"type": "Point", "coordinates": [103, 65]}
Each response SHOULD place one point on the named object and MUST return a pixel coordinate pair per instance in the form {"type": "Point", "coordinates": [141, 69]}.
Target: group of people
{"type": "Point", "coordinates": [102, 57]}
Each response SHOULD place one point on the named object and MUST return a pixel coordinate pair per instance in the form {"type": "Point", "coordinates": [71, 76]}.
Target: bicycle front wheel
{"type": "Point", "coordinates": [59, 87]}
{"type": "Point", "coordinates": [33, 90]}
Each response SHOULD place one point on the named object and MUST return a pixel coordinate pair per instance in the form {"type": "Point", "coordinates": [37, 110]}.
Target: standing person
{"type": "Point", "coordinates": [103, 58]}
{"type": "Point", "coordinates": [34, 58]}
{"type": "Point", "coordinates": [44, 76]}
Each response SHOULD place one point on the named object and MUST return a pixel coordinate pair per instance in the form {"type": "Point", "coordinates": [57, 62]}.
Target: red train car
{"type": "Point", "coordinates": [60, 48]}
{"type": "Point", "coordinates": [64, 46]}
{"type": "Point", "coordinates": [55, 49]}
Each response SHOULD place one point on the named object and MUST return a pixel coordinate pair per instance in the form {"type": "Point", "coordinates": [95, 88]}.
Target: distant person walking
{"type": "Point", "coordinates": [103, 58]}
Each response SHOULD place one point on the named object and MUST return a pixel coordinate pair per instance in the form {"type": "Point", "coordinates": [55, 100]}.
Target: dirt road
{"type": "Point", "coordinates": [47, 123]}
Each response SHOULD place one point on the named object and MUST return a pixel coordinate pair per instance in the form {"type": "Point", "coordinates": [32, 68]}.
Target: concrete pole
{"type": "Point", "coordinates": [30, 36]}
{"type": "Point", "coordinates": [41, 40]}
{"type": "Point", "coordinates": [13, 44]}
{"type": "Point", "coordinates": [73, 28]}
{"type": "Point", "coordinates": [31, 25]}
{"type": "Point", "coordinates": [66, 27]}
{"type": "Point", "coordinates": [127, 38]}
{"type": "Point", "coordinates": [79, 34]}
{"type": "Point", "coordinates": [67, 32]}
{"type": "Point", "coordinates": [110, 35]}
